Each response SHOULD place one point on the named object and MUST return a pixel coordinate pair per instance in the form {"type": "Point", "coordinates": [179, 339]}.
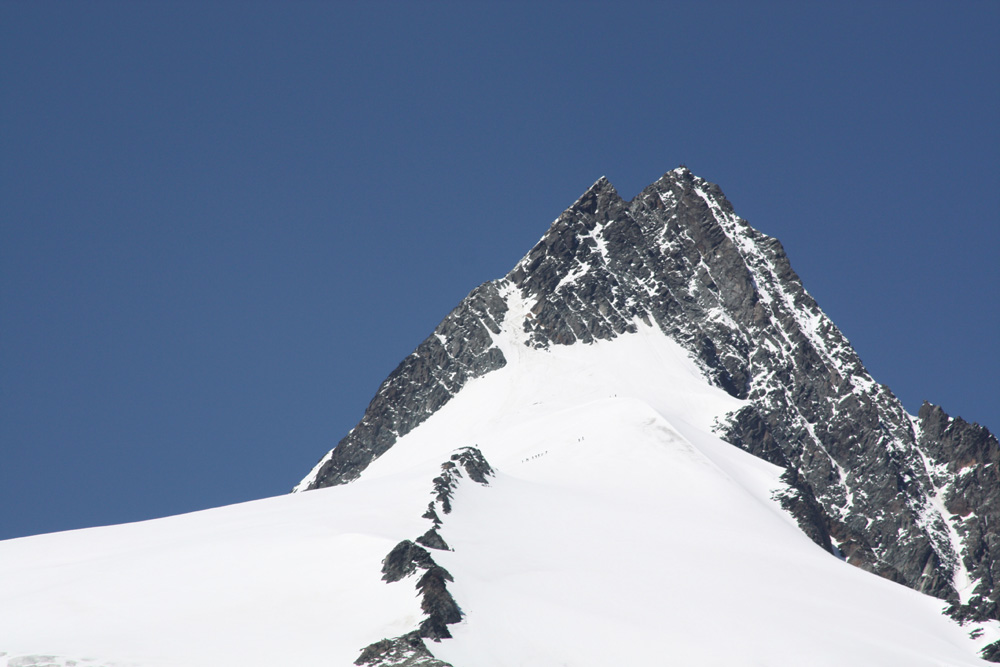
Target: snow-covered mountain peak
{"type": "Point", "coordinates": [677, 259]}
{"type": "Point", "coordinates": [645, 444]}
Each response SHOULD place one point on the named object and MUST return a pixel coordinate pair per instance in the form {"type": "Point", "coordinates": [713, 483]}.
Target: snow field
{"type": "Point", "coordinates": [618, 531]}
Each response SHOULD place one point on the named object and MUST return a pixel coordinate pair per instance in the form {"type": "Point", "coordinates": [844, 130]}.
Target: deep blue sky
{"type": "Point", "coordinates": [223, 224]}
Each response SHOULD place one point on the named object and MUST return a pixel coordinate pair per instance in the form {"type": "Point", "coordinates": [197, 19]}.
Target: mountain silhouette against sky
{"type": "Point", "coordinates": [645, 444]}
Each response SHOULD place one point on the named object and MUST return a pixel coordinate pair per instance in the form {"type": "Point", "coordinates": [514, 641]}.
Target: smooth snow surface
{"type": "Point", "coordinates": [618, 531]}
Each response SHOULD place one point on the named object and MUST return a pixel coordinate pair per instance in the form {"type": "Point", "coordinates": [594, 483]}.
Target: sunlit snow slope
{"type": "Point", "coordinates": [617, 530]}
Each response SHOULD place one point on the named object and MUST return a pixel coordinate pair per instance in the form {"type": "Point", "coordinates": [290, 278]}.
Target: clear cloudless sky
{"type": "Point", "coordinates": [223, 224]}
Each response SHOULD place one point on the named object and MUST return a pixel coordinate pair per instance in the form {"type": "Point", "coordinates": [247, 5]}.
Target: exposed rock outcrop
{"type": "Point", "coordinates": [406, 651]}
{"type": "Point", "coordinates": [406, 558]}
{"type": "Point", "coordinates": [460, 349]}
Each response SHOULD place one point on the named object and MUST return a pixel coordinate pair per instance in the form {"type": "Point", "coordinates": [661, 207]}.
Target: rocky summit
{"type": "Point", "coordinates": [913, 499]}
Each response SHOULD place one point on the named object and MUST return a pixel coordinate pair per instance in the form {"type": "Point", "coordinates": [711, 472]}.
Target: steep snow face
{"type": "Point", "coordinates": [617, 529]}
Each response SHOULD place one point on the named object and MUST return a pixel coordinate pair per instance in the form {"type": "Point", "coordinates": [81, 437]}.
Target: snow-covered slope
{"type": "Point", "coordinates": [616, 529]}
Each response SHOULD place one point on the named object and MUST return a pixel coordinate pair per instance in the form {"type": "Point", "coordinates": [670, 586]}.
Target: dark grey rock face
{"type": "Point", "coordinates": [403, 560]}
{"type": "Point", "coordinates": [915, 501]}
{"type": "Point", "coordinates": [963, 460]}
{"type": "Point", "coordinates": [460, 349]}
{"type": "Point", "coordinates": [469, 459]}
{"type": "Point", "coordinates": [433, 540]}
{"type": "Point", "coordinates": [406, 651]}
{"type": "Point", "coordinates": [437, 603]}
